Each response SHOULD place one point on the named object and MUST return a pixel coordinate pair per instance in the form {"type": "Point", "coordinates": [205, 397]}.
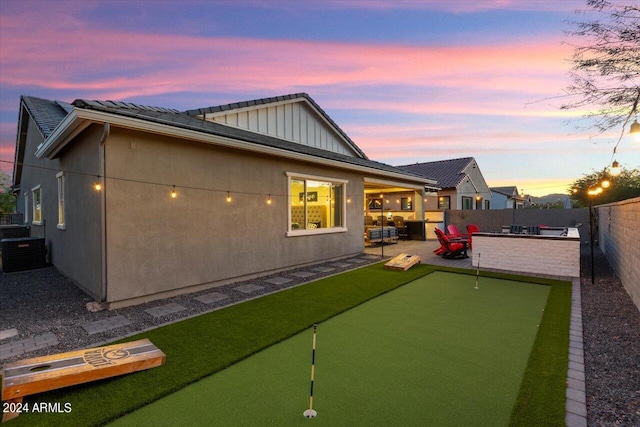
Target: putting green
{"type": "Point", "coordinates": [433, 352]}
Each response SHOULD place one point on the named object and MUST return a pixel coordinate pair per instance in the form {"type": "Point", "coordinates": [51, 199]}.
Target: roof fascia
{"type": "Point", "coordinates": [21, 141]}
{"type": "Point", "coordinates": [79, 119]}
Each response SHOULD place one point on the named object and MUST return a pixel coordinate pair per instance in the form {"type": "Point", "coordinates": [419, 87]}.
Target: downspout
{"type": "Point", "coordinates": [103, 211]}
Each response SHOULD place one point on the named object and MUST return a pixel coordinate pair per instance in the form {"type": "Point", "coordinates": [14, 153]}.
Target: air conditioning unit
{"type": "Point", "coordinates": [26, 253]}
{"type": "Point", "coordinates": [14, 231]}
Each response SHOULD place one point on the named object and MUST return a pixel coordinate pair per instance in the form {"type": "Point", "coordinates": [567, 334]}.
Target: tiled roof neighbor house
{"type": "Point", "coordinates": [462, 183]}
{"type": "Point", "coordinates": [260, 186]}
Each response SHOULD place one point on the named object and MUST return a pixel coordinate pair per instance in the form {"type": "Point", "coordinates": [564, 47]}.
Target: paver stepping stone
{"type": "Point", "coordinates": [323, 269]}
{"type": "Point", "coordinates": [247, 289]}
{"type": "Point", "coordinates": [8, 333]}
{"type": "Point", "coordinates": [278, 280]}
{"type": "Point", "coordinates": [303, 274]}
{"type": "Point", "coordinates": [342, 265]}
{"type": "Point", "coordinates": [211, 298]}
{"type": "Point", "coordinates": [27, 344]}
{"type": "Point", "coordinates": [165, 310]}
{"type": "Point", "coordinates": [105, 325]}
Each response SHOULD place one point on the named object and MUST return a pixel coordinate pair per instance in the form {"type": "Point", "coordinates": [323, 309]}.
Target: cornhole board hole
{"type": "Point", "coordinates": [403, 262]}
{"type": "Point", "coordinates": [40, 374]}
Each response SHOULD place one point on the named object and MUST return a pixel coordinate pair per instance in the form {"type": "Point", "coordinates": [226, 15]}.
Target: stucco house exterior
{"type": "Point", "coordinates": [462, 184]}
{"type": "Point", "coordinates": [189, 200]}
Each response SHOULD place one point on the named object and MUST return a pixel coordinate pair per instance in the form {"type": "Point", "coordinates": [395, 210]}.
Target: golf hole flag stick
{"type": "Point", "coordinates": [477, 272]}
{"type": "Point", "coordinates": [311, 413]}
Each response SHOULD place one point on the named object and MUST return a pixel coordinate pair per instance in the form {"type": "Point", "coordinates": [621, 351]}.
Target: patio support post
{"type": "Point", "coordinates": [382, 226]}
{"type": "Point", "coordinates": [591, 238]}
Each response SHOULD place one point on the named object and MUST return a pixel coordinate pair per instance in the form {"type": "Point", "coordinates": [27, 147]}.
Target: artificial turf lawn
{"type": "Point", "coordinates": [433, 352]}
{"type": "Point", "coordinates": [208, 343]}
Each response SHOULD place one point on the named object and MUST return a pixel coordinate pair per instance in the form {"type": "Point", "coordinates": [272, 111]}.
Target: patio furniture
{"type": "Point", "coordinates": [516, 229]}
{"type": "Point", "coordinates": [472, 228]}
{"type": "Point", "coordinates": [401, 227]}
{"type": "Point", "coordinates": [451, 248]}
{"type": "Point", "coordinates": [382, 235]}
{"type": "Point", "coordinates": [382, 221]}
{"type": "Point", "coordinates": [452, 232]}
{"type": "Point", "coordinates": [368, 220]}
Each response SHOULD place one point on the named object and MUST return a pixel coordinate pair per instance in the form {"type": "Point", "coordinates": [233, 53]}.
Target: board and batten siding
{"type": "Point", "coordinates": [294, 122]}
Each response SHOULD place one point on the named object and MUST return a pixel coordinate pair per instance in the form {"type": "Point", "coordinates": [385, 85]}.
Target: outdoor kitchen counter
{"type": "Point", "coordinates": [526, 253]}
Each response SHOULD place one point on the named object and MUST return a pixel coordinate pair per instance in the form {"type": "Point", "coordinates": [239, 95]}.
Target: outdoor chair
{"type": "Point", "coordinates": [451, 249]}
{"type": "Point", "coordinates": [368, 220]}
{"type": "Point", "coordinates": [472, 228]}
{"type": "Point", "coordinates": [382, 221]}
{"type": "Point", "coordinates": [401, 227]}
{"type": "Point", "coordinates": [453, 232]}
{"type": "Point", "coordinates": [515, 229]}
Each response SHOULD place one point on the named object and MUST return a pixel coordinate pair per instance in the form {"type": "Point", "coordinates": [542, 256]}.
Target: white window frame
{"type": "Point", "coordinates": [306, 232]}
{"type": "Point", "coordinates": [34, 190]}
{"type": "Point", "coordinates": [61, 201]}
{"type": "Point", "coordinates": [26, 208]}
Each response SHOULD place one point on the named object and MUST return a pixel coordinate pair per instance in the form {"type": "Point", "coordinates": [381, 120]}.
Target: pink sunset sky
{"type": "Point", "coordinates": [408, 81]}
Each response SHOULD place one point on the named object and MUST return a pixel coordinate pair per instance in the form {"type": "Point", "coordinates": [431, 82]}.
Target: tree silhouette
{"type": "Point", "coordinates": [605, 76]}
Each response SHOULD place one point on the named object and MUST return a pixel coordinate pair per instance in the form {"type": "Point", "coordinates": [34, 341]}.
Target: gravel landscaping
{"type": "Point", "coordinates": [42, 301]}
{"type": "Point", "coordinates": [611, 330]}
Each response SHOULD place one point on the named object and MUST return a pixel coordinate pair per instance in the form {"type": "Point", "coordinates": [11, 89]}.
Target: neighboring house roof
{"type": "Point", "coordinates": [278, 99]}
{"type": "Point", "coordinates": [448, 173]}
{"type": "Point", "coordinates": [57, 128]}
{"type": "Point", "coordinates": [510, 191]}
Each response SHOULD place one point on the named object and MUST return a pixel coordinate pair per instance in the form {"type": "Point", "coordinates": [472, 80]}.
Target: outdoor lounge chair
{"type": "Point", "coordinates": [472, 228]}
{"type": "Point", "coordinates": [451, 249]}
{"type": "Point", "coordinates": [453, 232]}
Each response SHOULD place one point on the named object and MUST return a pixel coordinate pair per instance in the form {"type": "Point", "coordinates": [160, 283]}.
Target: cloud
{"type": "Point", "coordinates": [120, 65]}
{"type": "Point", "coordinates": [455, 6]}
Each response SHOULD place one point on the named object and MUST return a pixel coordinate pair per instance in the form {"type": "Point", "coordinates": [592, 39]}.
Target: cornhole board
{"type": "Point", "coordinates": [41, 374]}
{"type": "Point", "coordinates": [403, 262]}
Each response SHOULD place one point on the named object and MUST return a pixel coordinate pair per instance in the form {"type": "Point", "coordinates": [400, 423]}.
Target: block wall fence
{"type": "Point", "coordinates": [619, 239]}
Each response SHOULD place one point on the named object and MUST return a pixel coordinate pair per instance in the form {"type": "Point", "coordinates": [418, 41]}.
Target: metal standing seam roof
{"type": "Point", "coordinates": [48, 114]}
{"type": "Point", "coordinates": [265, 101]}
{"type": "Point", "coordinates": [448, 173]}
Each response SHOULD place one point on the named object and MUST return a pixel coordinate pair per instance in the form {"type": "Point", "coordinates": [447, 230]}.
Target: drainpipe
{"type": "Point", "coordinates": [103, 211]}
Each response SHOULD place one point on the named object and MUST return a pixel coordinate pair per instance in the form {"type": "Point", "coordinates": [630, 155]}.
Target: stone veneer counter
{"type": "Point", "coordinates": [553, 255]}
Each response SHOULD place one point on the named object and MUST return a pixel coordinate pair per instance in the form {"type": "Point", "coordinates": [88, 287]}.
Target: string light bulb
{"type": "Point", "coordinates": [269, 199]}
{"type": "Point", "coordinates": [98, 185]}
{"type": "Point", "coordinates": [173, 193]}
{"type": "Point", "coordinates": [615, 168]}
{"type": "Point", "coordinates": [228, 197]}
